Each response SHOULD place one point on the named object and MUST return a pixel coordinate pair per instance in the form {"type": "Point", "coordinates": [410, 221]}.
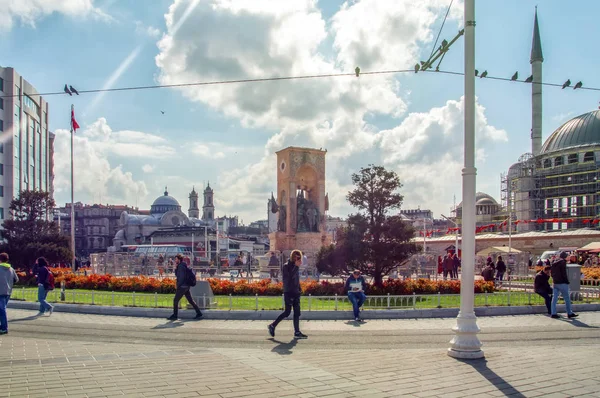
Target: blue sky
{"type": "Point", "coordinates": [127, 150]}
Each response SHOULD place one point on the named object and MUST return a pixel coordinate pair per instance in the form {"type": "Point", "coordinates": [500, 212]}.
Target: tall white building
{"type": "Point", "coordinates": [26, 145]}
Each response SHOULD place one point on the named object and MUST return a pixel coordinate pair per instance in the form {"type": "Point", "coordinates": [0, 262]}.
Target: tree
{"type": "Point", "coordinates": [31, 231]}
{"type": "Point", "coordinates": [377, 240]}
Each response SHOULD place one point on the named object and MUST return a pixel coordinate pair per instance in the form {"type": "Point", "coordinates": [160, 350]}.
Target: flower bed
{"type": "Point", "coordinates": [264, 287]}
{"type": "Point", "coordinates": [588, 272]}
{"type": "Point", "coordinates": [395, 287]}
{"type": "Point", "coordinates": [103, 282]}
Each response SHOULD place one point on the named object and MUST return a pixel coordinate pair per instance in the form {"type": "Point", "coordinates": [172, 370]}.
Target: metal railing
{"type": "Point", "coordinates": [308, 303]}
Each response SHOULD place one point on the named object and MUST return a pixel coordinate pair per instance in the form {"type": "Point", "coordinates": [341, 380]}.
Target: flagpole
{"type": "Point", "coordinates": [72, 196]}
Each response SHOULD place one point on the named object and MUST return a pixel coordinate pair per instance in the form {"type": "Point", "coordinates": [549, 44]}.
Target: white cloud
{"type": "Point", "coordinates": [150, 31]}
{"type": "Point", "coordinates": [375, 34]}
{"type": "Point", "coordinates": [205, 151]}
{"type": "Point", "coordinates": [126, 143]}
{"type": "Point", "coordinates": [94, 175]}
{"type": "Point", "coordinates": [220, 40]}
{"type": "Point", "coordinates": [147, 168]}
{"type": "Point", "coordinates": [29, 11]}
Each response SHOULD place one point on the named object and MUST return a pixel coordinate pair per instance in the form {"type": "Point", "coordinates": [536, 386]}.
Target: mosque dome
{"type": "Point", "coordinates": [482, 198]}
{"type": "Point", "coordinates": [164, 203]}
{"type": "Point", "coordinates": [580, 131]}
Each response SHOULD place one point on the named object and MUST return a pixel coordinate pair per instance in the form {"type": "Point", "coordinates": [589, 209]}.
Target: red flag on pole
{"type": "Point", "coordinates": [74, 125]}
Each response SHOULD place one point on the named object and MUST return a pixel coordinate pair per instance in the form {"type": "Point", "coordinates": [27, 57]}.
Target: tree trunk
{"type": "Point", "coordinates": [378, 278]}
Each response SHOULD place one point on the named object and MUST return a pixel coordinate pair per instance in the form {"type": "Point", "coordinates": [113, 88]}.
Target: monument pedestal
{"type": "Point", "coordinates": [202, 295]}
{"type": "Point", "coordinates": [307, 242]}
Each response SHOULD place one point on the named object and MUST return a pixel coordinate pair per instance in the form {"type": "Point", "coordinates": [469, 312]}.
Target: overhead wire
{"type": "Point", "coordinates": [441, 28]}
{"type": "Point", "coordinates": [284, 78]}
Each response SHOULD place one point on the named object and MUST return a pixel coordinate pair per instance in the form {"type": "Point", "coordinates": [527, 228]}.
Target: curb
{"type": "Point", "coordinates": [306, 315]}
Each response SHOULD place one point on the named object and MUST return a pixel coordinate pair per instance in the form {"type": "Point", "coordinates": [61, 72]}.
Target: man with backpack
{"type": "Point", "coordinates": [186, 278]}
{"type": "Point", "coordinates": [291, 294]}
{"type": "Point", "coordinates": [8, 277]}
{"type": "Point", "coordinates": [560, 279]}
{"type": "Point", "coordinates": [45, 281]}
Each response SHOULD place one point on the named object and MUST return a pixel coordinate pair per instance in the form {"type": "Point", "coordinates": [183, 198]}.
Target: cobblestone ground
{"type": "Point", "coordinates": [105, 356]}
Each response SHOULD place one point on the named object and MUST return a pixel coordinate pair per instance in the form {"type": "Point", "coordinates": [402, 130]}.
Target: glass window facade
{"type": "Point", "coordinates": [31, 104]}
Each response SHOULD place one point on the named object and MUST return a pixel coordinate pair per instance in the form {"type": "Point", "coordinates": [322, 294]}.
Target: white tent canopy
{"type": "Point", "coordinates": [496, 249]}
{"type": "Point", "coordinates": [590, 246]}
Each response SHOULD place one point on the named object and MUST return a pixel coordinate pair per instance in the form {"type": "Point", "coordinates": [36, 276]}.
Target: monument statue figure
{"type": "Point", "coordinates": [302, 225]}
{"type": "Point", "coordinates": [311, 214]}
{"type": "Point", "coordinates": [282, 218]}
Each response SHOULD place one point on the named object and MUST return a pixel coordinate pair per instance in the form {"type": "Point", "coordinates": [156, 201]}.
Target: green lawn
{"type": "Point", "coordinates": [152, 300]}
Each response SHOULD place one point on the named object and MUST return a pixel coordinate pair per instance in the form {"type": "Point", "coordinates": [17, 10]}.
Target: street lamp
{"type": "Point", "coordinates": [465, 344]}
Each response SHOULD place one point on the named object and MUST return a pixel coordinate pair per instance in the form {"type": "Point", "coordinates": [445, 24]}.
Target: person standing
{"type": "Point", "coordinates": [541, 286]}
{"type": "Point", "coordinates": [183, 289]}
{"type": "Point", "coordinates": [500, 269]}
{"type": "Point", "coordinates": [43, 282]}
{"type": "Point", "coordinates": [561, 285]}
{"type": "Point", "coordinates": [448, 266]}
{"type": "Point", "coordinates": [291, 294]}
{"type": "Point", "coordinates": [488, 273]}
{"type": "Point", "coordinates": [355, 287]}
{"type": "Point", "coordinates": [455, 265]}
{"type": "Point", "coordinates": [8, 277]}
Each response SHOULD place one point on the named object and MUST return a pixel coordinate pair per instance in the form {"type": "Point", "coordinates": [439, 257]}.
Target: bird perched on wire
{"type": "Point", "coordinates": [476, 72]}
{"type": "Point", "coordinates": [515, 76]}
{"type": "Point", "coordinates": [484, 74]}
{"type": "Point", "coordinates": [73, 90]}
{"type": "Point", "coordinates": [67, 90]}
{"type": "Point", "coordinates": [578, 85]}
{"type": "Point", "coordinates": [357, 71]}
{"type": "Point", "coordinates": [566, 84]}
{"type": "Point", "coordinates": [417, 68]}
{"type": "Point", "coordinates": [529, 79]}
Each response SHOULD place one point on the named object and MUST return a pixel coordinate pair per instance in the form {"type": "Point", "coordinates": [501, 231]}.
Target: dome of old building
{"type": "Point", "coordinates": [164, 203]}
{"type": "Point", "coordinates": [583, 130]}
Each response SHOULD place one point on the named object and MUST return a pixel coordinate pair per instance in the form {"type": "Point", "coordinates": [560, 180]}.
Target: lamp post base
{"type": "Point", "coordinates": [466, 345]}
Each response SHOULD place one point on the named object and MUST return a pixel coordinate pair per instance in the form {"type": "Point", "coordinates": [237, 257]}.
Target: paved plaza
{"type": "Point", "coordinates": [103, 356]}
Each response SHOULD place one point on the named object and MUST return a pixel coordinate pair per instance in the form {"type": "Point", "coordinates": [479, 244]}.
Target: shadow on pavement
{"type": "Point", "coordinates": [579, 324]}
{"type": "Point", "coordinates": [355, 323]}
{"type": "Point", "coordinates": [169, 325]}
{"type": "Point", "coordinates": [27, 318]}
{"type": "Point", "coordinates": [283, 348]}
{"type": "Point", "coordinates": [480, 365]}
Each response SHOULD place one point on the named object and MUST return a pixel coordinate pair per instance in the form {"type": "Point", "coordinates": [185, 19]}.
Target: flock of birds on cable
{"type": "Point", "coordinates": [530, 79]}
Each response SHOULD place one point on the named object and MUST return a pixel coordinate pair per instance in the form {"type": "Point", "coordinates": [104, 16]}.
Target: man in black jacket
{"type": "Point", "coordinates": [500, 268]}
{"type": "Point", "coordinates": [561, 285]}
{"type": "Point", "coordinates": [291, 294]}
{"type": "Point", "coordinates": [542, 286]}
{"type": "Point", "coordinates": [183, 289]}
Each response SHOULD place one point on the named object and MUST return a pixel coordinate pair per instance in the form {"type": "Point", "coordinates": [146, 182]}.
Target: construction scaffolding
{"type": "Point", "coordinates": [562, 186]}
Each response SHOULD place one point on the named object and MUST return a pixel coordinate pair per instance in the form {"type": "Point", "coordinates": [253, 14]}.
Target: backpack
{"type": "Point", "coordinates": [50, 281]}
{"type": "Point", "coordinates": [190, 276]}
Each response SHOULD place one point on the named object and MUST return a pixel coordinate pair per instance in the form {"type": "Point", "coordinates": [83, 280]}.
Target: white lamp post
{"type": "Point", "coordinates": [465, 344]}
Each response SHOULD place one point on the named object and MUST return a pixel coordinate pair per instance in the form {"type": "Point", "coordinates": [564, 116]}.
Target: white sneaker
{"type": "Point", "coordinates": [50, 311]}
{"type": "Point", "coordinates": [40, 313]}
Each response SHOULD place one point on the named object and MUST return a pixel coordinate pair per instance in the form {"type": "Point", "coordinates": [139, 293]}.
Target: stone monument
{"type": "Point", "coordinates": [301, 201]}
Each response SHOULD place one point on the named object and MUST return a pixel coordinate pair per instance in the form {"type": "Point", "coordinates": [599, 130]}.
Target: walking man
{"type": "Point", "coordinates": [8, 277]}
{"type": "Point", "coordinates": [291, 294]}
{"type": "Point", "coordinates": [500, 269]}
{"type": "Point", "coordinates": [43, 281]}
{"type": "Point", "coordinates": [561, 285]}
{"type": "Point", "coordinates": [355, 287]}
{"type": "Point", "coordinates": [541, 285]}
{"type": "Point", "coordinates": [183, 288]}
